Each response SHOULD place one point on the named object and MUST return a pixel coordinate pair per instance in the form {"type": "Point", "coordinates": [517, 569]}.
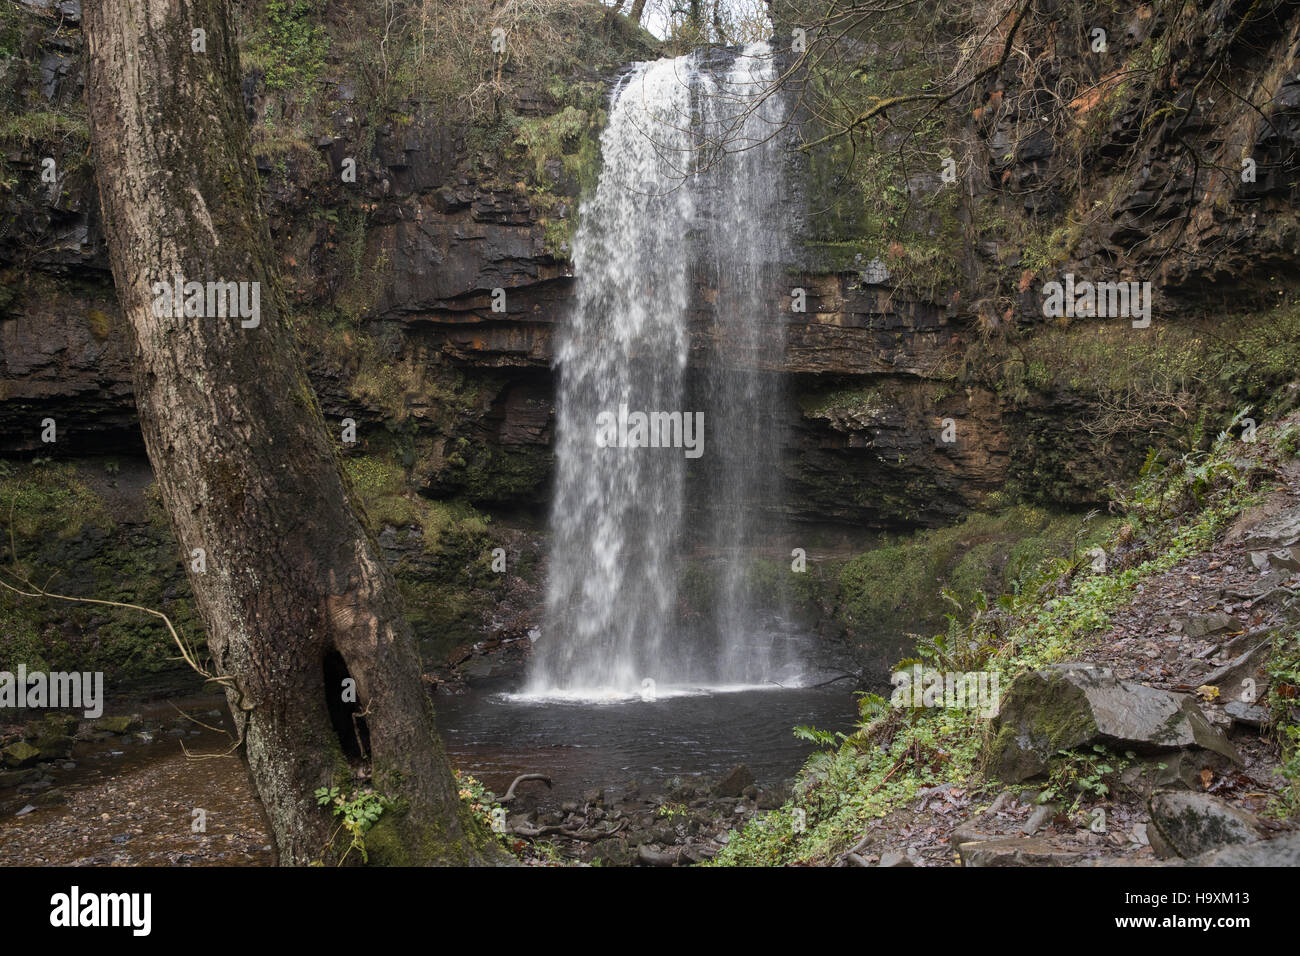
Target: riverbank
{"type": "Point", "coordinates": [1149, 708]}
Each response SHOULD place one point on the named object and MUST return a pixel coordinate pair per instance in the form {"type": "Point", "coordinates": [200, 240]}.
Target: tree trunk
{"type": "Point", "coordinates": [295, 597]}
{"type": "Point", "coordinates": [695, 14]}
{"type": "Point", "coordinates": [637, 11]}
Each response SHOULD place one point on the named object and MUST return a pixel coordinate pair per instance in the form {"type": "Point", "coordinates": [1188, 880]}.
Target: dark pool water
{"type": "Point", "coordinates": [582, 746]}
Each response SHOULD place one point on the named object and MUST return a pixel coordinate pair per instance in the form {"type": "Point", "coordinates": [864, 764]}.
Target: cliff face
{"type": "Point", "coordinates": [914, 397]}
{"type": "Point", "coordinates": [393, 276]}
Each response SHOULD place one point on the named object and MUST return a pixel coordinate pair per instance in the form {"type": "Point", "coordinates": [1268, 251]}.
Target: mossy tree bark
{"type": "Point", "coordinates": [294, 584]}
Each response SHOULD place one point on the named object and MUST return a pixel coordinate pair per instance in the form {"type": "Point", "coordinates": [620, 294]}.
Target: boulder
{"type": "Point", "coordinates": [1040, 817]}
{"type": "Point", "coordinates": [51, 725]}
{"type": "Point", "coordinates": [20, 754]}
{"type": "Point", "coordinates": [118, 725]}
{"type": "Point", "coordinates": [1232, 677]}
{"type": "Point", "coordinates": [734, 782]}
{"type": "Point", "coordinates": [1286, 558]}
{"type": "Point", "coordinates": [50, 798]}
{"type": "Point", "coordinates": [14, 778]}
{"type": "Point", "coordinates": [1186, 824]}
{"type": "Point", "coordinates": [1282, 851]}
{"type": "Point", "coordinates": [1249, 715]}
{"type": "Point", "coordinates": [1015, 851]}
{"type": "Point", "coordinates": [1197, 626]}
{"type": "Point", "coordinates": [1181, 769]}
{"type": "Point", "coordinates": [53, 747]}
{"type": "Point", "coordinates": [895, 858]}
{"type": "Point", "coordinates": [1073, 705]}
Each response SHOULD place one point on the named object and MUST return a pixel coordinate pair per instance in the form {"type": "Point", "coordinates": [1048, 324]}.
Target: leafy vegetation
{"type": "Point", "coordinates": [357, 813]}
{"type": "Point", "coordinates": [900, 582]}
{"type": "Point", "coordinates": [291, 49]}
{"type": "Point", "coordinates": [1284, 709]}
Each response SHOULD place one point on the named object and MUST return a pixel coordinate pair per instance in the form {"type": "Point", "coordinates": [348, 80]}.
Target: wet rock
{"type": "Point", "coordinates": [14, 778]}
{"type": "Point", "coordinates": [1248, 641]}
{"type": "Point", "coordinates": [1180, 769]}
{"type": "Point", "coordinates": [50, 798]}
{"type": "Point", "coordinates": [1039, 818]}
{"type": "Point", "coordinates": [1282, 851]}
{"type": "Point", "coordinates": [895, 858]}
{"type": "Point", "coordinates": [734, 782]}
{"type": "Point", "coordinates": [1285, 558]}
{"type": "Point", "coordinates": [654, 856]}
{"type": "Point", "coordinates": [1219, 718]}
{"type": "Point", "coordinates": [1243, 678]}
{"type": "Point", "coordinates": [1029, 851]}
{"type": "Point", "coordinates": [54, 747]}
{"type": "Point", "coordinates": [1005, 801]}
{"type": "Point", "coordinates": [51, 725]}
{"type": "Point", "coordinates": [1280, 530]}
{"type": "Point", "coordinates": [20, 754]}
{"type": "Point", "coordinates": [971, 832]}
{"type": "Point", "coordinates": [1187, 824]}
{"type": "Point", "coordinates": [1072, 705]}
{"type": "Point", "coordinates": [37, 785]}
{"type": "Point", "coordinates": [1249, 715]}
{"type": "Point", "coordinates": [25, 810]}
{"type": "Point", "coordinates": [118, 725]}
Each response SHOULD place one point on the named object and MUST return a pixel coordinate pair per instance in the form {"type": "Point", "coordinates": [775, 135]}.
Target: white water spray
{"type": "Point", "coordinates": [691, 188]}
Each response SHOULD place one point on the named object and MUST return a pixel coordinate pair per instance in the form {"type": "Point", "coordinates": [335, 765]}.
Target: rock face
{"type": "Point", "coordinates": [1282, 851]}
{"type": "Point", "coordinates": [1187, 824]}
{"type": "Point", "coordinates": [1073, 705]}
{"type": "Point", "coordinates": [434, 224]}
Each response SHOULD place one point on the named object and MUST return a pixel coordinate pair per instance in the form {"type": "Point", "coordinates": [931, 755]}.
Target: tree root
{"type": "Point", "coordinates": [510, 793]}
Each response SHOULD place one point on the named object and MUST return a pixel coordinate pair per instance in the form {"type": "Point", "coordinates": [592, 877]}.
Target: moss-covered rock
{"type": "Point", "coordinates": [20, 754]}
{"type": "Point", "coordinates": [1071, 705]}
{"type": "Point", "coordinates": [118, 725]}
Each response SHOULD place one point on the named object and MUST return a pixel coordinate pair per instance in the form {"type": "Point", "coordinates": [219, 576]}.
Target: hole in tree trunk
{"type": "Point", "coordinates": [351, 730]}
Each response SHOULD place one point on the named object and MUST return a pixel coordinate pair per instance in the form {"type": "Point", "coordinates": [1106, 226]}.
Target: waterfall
{"type": "Point", "coordinates": [690, 194]}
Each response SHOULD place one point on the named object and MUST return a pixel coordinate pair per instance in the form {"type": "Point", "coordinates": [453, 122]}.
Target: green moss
{"type": "Point", "coordinates": [897, 585]}
{"type": "Point", "coordinates": [867, 400]}
{"type": "Point", "coordinates": [291, 46]}
{"type": "Point", "coordinates": [45, 126]}
{"type": "Point", "coordinates": [99, 322]}
{"type": "Point", "coordinates": [562, 154]}
{"type": "Point", "coordinates": [494, 473]}
{"type": "Point", "coordinates": [47, 498]}
{"type": "Point", "coordinates": [70, 543]}
{"type": "Point", "coordinates": [388, 500]}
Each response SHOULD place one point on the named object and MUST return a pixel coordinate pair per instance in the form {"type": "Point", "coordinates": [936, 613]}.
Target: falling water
{"type": "Point", "coordinates": [690, 194]}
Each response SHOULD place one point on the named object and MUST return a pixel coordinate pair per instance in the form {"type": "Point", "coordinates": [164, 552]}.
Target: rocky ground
{"type": "Point", "coordinates": [1171, 693]}
{"type": "Point", "coordinates": [127, 791]}
{"type": "Point", "coordinates": [684, 821]}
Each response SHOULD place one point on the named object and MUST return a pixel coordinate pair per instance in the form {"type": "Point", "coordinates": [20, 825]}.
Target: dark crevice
{"type": "Point", "coordinates": [349, 727]}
